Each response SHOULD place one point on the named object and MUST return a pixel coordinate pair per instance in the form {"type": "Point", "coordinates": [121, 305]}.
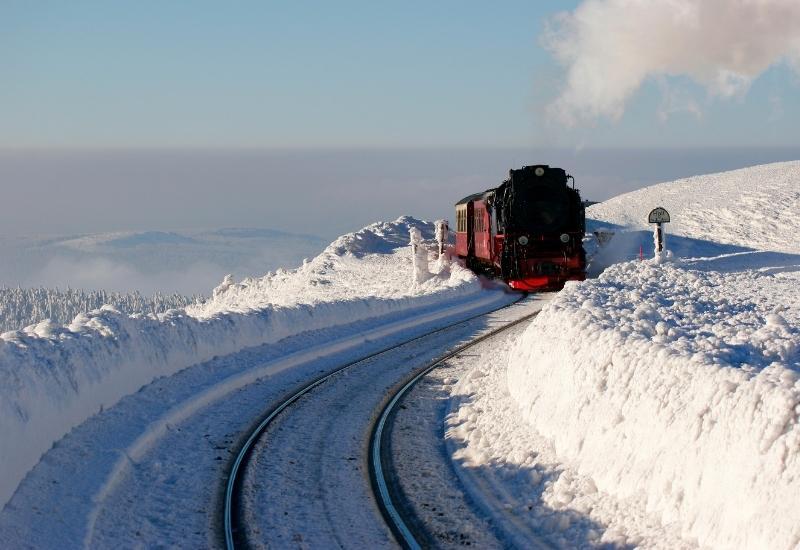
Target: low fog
{"type": "Point", "coordinates": [322, 193]}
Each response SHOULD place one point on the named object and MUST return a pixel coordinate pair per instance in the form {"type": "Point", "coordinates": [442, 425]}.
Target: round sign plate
{"type": "Point", "coordinates": [658, 215]}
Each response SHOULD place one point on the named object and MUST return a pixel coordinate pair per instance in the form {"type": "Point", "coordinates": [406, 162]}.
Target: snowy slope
{"type": "Point", "coordinates": [673, 389]}
{"type": "Point", "coordinates": [54, 377]}
{"type": "Point", "coordinates": [753, 207]}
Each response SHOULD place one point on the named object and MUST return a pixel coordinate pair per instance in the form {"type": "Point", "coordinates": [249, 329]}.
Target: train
{"type": "Point", "coordinates": [528, 231]}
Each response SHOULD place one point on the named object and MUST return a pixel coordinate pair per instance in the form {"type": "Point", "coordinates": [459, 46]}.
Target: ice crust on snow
{"type": "Point", "coordinates": [54, 377]}
{"type": "Point", "coordinates": [675, 387]}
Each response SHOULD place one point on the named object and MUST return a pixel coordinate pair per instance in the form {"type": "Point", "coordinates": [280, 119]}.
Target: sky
{"type": "Point", "coordinates": [354, 74]}
{"type": "Point", "coordinates": [319, 117]}
{"type": "Point", "coordinates": [272, 74]}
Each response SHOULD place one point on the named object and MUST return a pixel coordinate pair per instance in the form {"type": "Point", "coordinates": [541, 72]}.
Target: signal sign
{"type": "Point", "coordinates": [658, 215]}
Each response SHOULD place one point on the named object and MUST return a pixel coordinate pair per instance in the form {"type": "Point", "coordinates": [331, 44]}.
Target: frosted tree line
{"type": "Point", "coordinates": [20, 307]}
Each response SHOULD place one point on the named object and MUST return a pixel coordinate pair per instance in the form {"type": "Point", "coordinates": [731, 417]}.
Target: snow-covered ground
{"type": "Point", "coordinates": [52, 378]}
{"type": "Point", "coordinates": [753, 207]}
{"type": "Point", "coordinates": [659, 404]}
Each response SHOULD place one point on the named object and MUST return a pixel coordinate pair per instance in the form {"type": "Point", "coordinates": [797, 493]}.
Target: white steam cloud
{"type": "Point", "coordinates": [610, 47]}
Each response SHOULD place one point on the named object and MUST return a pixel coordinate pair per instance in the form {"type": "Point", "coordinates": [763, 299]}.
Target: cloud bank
{"type": "Point", "coordinates": [610, 47]}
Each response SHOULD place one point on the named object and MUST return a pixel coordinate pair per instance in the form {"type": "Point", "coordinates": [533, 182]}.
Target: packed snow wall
{"type": "Point", "coordinates": [677, 387]}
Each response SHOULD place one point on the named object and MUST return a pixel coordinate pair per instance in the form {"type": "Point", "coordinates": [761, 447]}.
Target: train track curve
{"type": "Point", "coordinates": [383, 483]}
{"type": "Point", "coordinates": [234, 533]}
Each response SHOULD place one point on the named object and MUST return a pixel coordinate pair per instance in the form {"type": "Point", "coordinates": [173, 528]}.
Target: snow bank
{"type": "Point", "coordinates": [675, 386]}
{"type": "Point", "coordinates": [663, 386]}
{"type": "Point", "coordinates": [54, 377]}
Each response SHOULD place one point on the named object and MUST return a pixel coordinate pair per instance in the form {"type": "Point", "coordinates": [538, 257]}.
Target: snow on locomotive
{"type": "Point", "coordinates": [528, 231]}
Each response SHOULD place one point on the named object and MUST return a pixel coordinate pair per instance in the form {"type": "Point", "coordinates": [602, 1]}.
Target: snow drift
{"type": "Point", "coordinates": [676, 386]}
{"type": "Point", "coordinates": [54, 377]}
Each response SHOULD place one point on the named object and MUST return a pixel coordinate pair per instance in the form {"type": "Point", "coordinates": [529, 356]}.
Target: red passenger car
{"type": "Point", "coordinates": [528, 231]}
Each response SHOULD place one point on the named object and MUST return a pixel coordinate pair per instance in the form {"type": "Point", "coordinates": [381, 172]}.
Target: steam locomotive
{"type": "Point", "coordinates": [528, 231]}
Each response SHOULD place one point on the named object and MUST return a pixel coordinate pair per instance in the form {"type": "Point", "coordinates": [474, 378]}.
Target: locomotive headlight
{"type": "Point", "coordinates": [539, 171]}
{"type": "Point", "coordinates": [523, 240]}
{"type": "Point", "coordinates": [564, 238]}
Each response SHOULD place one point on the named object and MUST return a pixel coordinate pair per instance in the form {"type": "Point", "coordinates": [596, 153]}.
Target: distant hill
{"type": "Point", "coordinates": [186, 262]}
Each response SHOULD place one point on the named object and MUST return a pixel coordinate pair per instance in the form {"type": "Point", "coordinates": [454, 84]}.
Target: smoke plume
{"type": "Point", "coordinates": [610, 47]}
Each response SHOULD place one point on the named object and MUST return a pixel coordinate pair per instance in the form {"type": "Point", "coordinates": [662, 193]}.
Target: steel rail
{"type": "Point", "coordinates": [234, 536]}
{"type": "Point", "coordinates": [379, 446]}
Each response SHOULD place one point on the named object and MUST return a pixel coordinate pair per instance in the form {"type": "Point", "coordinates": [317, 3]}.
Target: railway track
{"type": "Point", "coordinates": [402, 523]}
{"type": "Point", "coordinates": [234, 533]}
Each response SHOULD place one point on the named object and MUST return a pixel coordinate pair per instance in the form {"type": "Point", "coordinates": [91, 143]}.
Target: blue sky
{"type": "Point", "coordinates": [88, 74]}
